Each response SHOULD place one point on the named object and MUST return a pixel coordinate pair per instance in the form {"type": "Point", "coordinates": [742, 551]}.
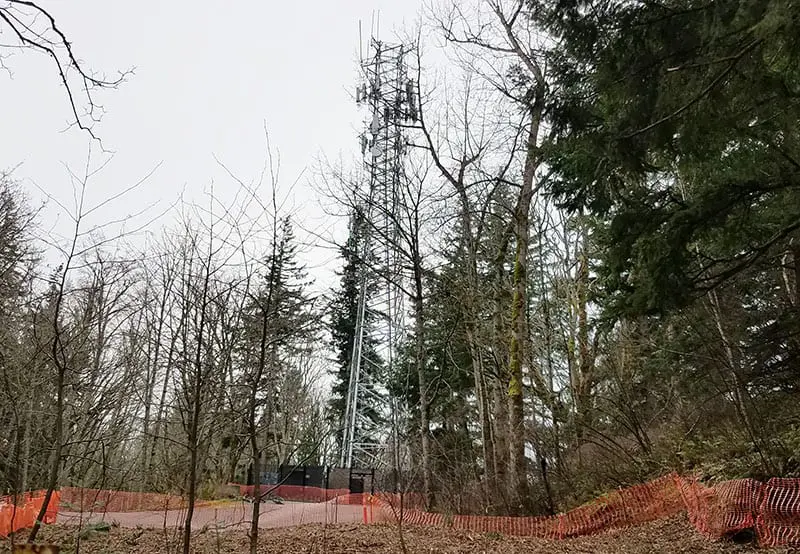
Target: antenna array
{"type": "Point", "coordinates": [391, 100]}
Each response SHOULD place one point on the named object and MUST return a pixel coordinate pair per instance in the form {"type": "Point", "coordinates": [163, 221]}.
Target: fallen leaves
{"type": "Point", "coordinates": [672, 536]}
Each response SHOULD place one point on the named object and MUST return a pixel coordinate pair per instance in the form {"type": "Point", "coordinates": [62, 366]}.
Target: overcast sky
{"type": "Point", "coordinates": [208, 75]}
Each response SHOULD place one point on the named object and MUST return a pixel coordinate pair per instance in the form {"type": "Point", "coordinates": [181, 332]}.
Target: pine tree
{"type": "Point", "coordinates": [278, 325]}
{"type": "Point", "coordinates": [675, 123]}
{"type": "Point", "coordinates": [674, 126]}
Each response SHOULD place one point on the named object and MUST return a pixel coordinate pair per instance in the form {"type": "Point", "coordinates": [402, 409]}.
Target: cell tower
{"type": "Point", "coordinates": [391, 98]}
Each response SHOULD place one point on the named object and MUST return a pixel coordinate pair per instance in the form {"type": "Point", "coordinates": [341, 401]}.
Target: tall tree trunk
{"type": "Point", "coordinates": [500, 443]}
{"type": "Point", "coordinates": [499, 405]}
{"type": "Point", "coordinates": [737, 386]}
{"type": "Point", "coordinates": [487, 447]}
{"type": "Point", "coordinates": [255, 450]}
{"type": "Point", "coordinates": [516, 423]}
{"type": "Point", "coordinates": [533, 102]}
{"type": "Point", "coordinates": [26, 448]}
{"type": "Point", "coordinates": [469, 245]}
{"type": "Point", "coordinates": [583, 378]}
{"type": "Point", "coordinates": [256, 465]}
{"type": "Point", "coordinates": [58, 426]}
{"type": "Point", "coordinates": [153, 362]}
{"type": "Point", "coordinates": [58, 355]}
{"type": "Point", "coordinates": [196, 412]}
{"type": "Point", "coordinates": [162, 406]}
{"type": "Point", "coordinates": [419, 329]}
{"type": "Point", "coordinates": [194, 424]}
{"type": "Point", "coordinates": [519, 325]}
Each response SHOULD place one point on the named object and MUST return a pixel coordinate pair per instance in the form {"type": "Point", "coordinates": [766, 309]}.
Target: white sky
{"type": "Point", "coordinates": [208, 76]}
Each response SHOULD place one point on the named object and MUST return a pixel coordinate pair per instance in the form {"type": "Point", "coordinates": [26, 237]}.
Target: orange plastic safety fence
{"type": "Point", "coordinates": [296, 493]}
{"type": "Point", "coordinates": [778, 519]}
{"type": "Point", "coordinates": [724, 509]}
{"type": "Point", "coordinates": [94, 500]}
{"type": "Point", "coordinates": [21, 513]}
{"type": "Point", "coordinates": [97, 500]}
{"type": "Point", "coordinates": [771, 510]}
{"type": "Point", "coordinates": [352, 499]}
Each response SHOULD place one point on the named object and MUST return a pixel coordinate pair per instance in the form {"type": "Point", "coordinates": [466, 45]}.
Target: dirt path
{"type": "Point", "coordinates": [229, 514]}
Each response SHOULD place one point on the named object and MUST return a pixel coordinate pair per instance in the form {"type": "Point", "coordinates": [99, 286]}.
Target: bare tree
{"type": "Point", "coordinates": [60, 332]}
{"type": "Point", "coordinates": [501, 41]}
{"type": "Point", "coordinates": [460, 149]}
{"type": "Point", "coordinates": [199, 283]}
{"type": "Point", "coordinates": [34, 28]}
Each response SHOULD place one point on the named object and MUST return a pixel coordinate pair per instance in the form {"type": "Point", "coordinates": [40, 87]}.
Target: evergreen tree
{"type": "Point", "coordinates": [278, 325]}
{"type": "Point", "coordinates": [675, 122]}
{"type": "Point", "coordinates": [675, 128]}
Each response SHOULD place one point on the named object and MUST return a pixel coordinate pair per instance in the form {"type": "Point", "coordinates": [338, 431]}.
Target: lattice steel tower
{"type": "Point", "coordinates": [391, 99]}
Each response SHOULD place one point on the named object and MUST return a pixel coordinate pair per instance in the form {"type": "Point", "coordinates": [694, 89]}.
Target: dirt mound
{"type": "Point", "coordinates": [674, 535]}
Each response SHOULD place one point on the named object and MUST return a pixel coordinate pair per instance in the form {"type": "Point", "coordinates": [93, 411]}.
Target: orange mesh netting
{"type": "Point", "coordinates": [771, 511]}
{"type": "Point", "coordinates": [724, 509]}
{"type": "Point", "coordinates": [96, 500]}
{"type": "Point", "coordinates": [22, 513]}
{"type": "Point", "coordinates": [296, 493]}
{"type": "Point", "coordinates": [778, 517]}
